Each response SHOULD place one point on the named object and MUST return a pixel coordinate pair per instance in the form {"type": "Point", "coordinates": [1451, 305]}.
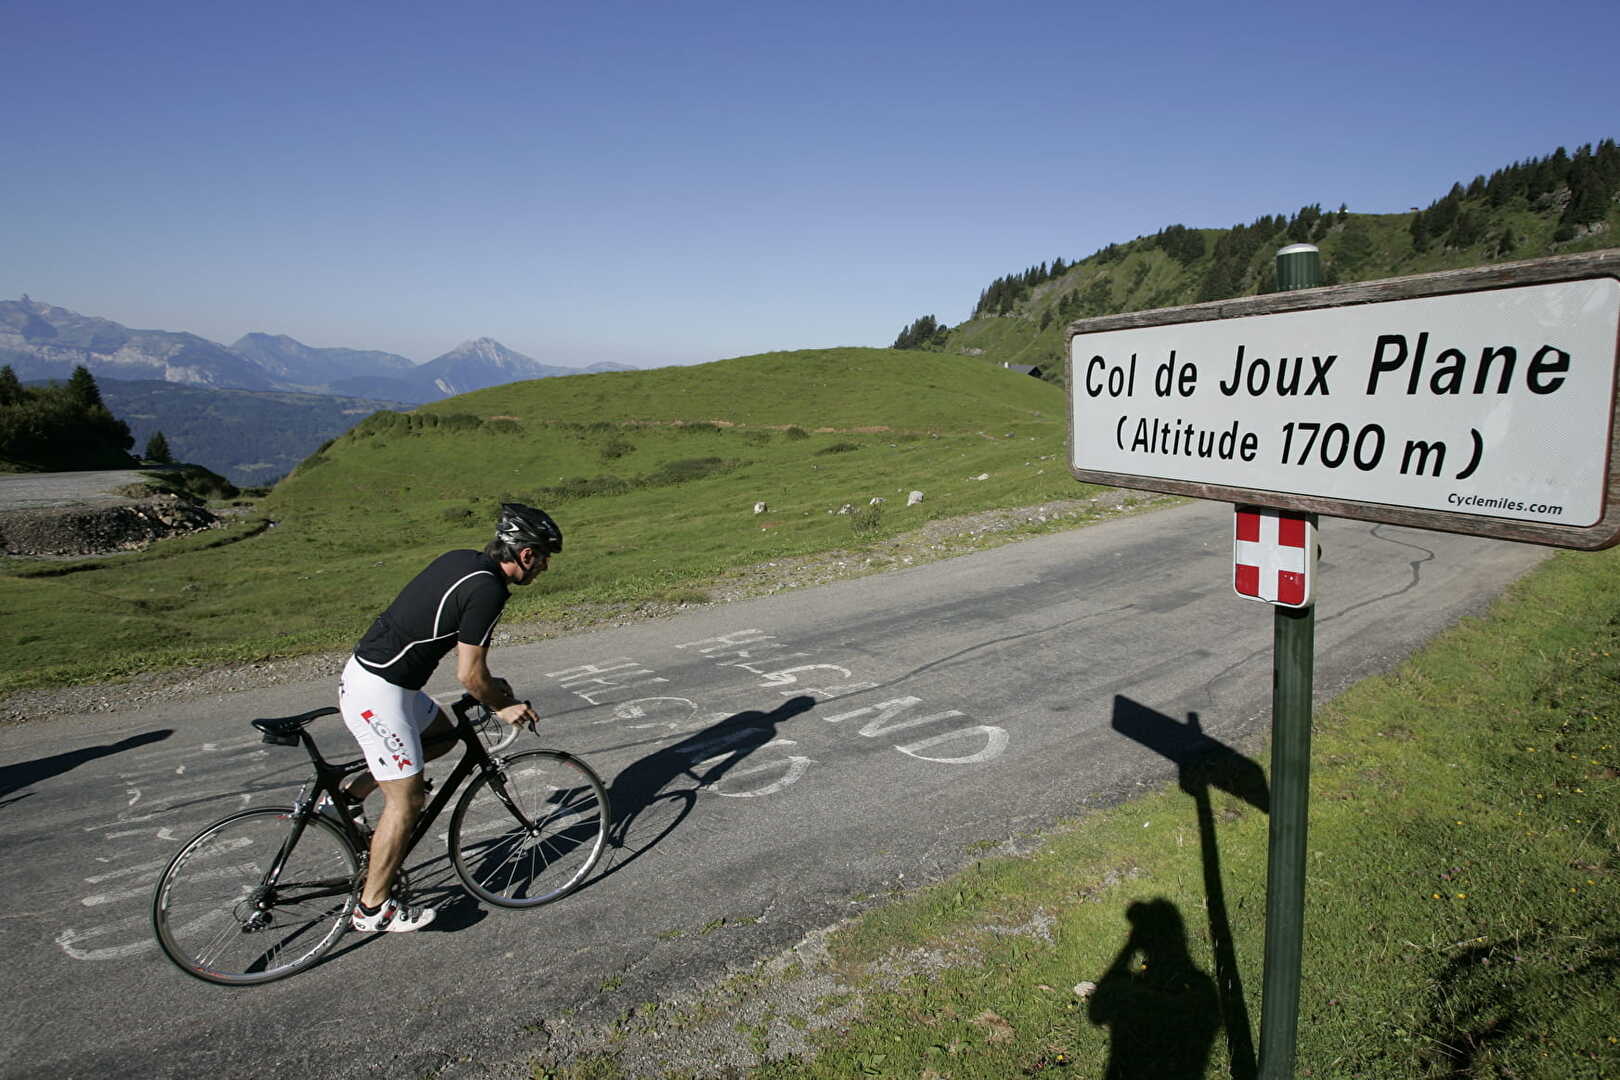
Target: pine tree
{"type": "Point", "coordinates": [920, 334]}
{"type": "Point", "coordinates": [1588, 194]}
{"type": "Point", "coordinates": [11, 389]}
{"type": "Point", "coordinates": [82, 388]}
{"type": "Point", "coordinates": [1420, 232]}
{"type": "Point", "coordinates": [1303, 227]}
{"type": "Point", "coordinates": [1468, 230]}
{"type": "Point", "coordinates": [1442, 214]}
{"type": "Point", "coordinates": [157, 449]}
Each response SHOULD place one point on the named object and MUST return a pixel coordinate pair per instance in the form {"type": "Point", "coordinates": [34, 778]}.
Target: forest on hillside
{"type": "Point", "coordinates": [1562, 202]}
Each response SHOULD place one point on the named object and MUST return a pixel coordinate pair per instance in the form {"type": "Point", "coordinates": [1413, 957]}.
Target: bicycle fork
{"type": "Point", "coordinates": [497, 784]}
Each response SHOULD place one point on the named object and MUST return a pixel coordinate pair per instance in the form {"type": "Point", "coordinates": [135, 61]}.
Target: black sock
{"type": "Point", "coordinates": [367, 909]}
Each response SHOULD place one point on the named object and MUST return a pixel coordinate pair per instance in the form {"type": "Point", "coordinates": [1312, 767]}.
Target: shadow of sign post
{"type": "Point", "coordinates": [1205, 763]}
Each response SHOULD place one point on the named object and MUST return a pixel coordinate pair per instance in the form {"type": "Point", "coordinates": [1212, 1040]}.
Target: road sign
{"type": "Point", "coordinates": [1273, 556]}
{"type": "Point", "coordinates": [1478, 401]}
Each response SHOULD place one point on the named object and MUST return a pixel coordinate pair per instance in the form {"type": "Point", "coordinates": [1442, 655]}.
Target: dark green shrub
{"type": "Point", "coordinates": [582, 487]}
{"type": "Point", "coordinates": [616, 447]}
{"type": "Point", "coordinates": [380, 422]}
{"type": "Point", "coordinates": [688, 469]}
{"type": "Point", "coordinates": [839, 448]}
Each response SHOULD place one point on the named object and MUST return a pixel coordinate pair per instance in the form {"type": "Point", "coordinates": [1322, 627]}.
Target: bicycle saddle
{"type": "Point", "coordinates": [283, 730]}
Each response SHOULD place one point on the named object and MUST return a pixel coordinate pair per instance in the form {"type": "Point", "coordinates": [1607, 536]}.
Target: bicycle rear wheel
{"type": "Point", "coordinates": [530, 830]}
{"type": "Point", "coordinates": [218, 915]}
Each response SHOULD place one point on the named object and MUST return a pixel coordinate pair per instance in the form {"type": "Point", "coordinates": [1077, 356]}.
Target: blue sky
{"type": "Point", "coordinates": [677, 182]}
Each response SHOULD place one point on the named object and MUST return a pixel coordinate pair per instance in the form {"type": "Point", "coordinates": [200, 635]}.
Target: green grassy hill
{"type": "Point", "coordinates": [653, 476]}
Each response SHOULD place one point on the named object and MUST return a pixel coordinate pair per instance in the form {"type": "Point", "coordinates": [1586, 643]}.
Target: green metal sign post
{"type": "Point", "coordinates": [1299, 266]}
{"type": "Point", "coordinates": [1317, 400]}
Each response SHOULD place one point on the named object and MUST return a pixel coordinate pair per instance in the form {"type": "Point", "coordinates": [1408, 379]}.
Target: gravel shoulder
{"type": "Point", "coordinates": [36, 491]}
{"type": "Point", "coordinates": [937, 540]}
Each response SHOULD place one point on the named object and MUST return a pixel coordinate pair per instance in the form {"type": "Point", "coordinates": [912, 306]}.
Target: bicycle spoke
{"type": "Point", "coordinates": [511, 847]}
{"type": "Point", "coordinates": [210, 953]}
{"type": "Point", "coordinates": [224, 921]}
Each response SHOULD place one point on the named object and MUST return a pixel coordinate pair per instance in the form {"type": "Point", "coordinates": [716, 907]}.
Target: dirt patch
{"type": "Point", "coordinates": [74, 531]}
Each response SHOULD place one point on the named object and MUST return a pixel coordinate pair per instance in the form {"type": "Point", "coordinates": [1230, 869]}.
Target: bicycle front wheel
{"type": "Point", "coordinates": [529, 831]}
{"type": "Point", "coordinates": [241, 904]}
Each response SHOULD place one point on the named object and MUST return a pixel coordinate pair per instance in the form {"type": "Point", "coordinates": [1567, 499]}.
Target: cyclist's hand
{"type": "Point", "coordinates": [520, 713]}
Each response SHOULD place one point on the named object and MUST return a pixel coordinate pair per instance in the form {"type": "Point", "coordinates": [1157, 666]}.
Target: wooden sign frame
{"type": "Point", "coordinates": [1562, 268]}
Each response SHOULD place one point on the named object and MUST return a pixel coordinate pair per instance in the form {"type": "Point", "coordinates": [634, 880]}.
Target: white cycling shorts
{"type": "Point", "coordinates": [386, 720]}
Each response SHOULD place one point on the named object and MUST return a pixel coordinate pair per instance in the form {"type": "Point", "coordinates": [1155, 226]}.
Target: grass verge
{"type": "Point", "coordinates": [1463, 914]}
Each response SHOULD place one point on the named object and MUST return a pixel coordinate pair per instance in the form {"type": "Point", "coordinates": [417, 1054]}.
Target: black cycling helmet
{"type": "Point", "coordinates": [523, 526]}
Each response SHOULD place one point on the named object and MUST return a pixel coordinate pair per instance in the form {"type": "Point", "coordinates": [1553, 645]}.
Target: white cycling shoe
{"type": "Point", "coordinates": [393, 917]}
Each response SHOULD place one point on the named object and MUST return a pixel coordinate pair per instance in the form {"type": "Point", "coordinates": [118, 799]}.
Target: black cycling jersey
{"type": "Point", "coordinates": [458, 598]}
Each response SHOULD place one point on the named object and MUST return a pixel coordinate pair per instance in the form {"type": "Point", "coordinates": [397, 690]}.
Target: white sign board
{"type": "Point", "coordinates": [1491, 404]}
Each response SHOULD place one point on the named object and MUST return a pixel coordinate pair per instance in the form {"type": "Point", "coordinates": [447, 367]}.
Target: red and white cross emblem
{"type": "Point", "coordinates": [1274, 556]}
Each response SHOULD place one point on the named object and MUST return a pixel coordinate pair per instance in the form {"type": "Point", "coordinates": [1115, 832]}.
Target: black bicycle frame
{"type": "Point", "coordinates": [329, 777]}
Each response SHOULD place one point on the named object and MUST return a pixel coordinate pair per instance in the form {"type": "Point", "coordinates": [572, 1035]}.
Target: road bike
{"type": "Point", "coordinates": [266, 892]}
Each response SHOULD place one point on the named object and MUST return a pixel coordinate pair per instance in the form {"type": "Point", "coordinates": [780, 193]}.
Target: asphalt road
{"type": "Point", "coordinates": [953, 705]}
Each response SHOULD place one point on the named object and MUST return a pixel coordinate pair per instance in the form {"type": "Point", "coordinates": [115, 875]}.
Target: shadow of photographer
{"type": "Point", "coordinates": [704, 757]}
{"type": "Point", "coordinates": [1162, 1012]}
{"type": "Point", "coordinates": [1205, 763]}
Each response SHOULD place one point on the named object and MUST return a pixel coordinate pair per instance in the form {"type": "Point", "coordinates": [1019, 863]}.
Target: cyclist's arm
{"type": "Point", "coordinates": [472, 669]}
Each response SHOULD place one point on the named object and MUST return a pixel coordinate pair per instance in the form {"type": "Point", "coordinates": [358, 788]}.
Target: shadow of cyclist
{"type": "Point", "coordinates": [703, 757]}
{"type": "Point", "coordinates": [27, 773]}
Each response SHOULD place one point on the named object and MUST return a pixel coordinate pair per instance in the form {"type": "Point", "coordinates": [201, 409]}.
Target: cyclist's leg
{"type": "Point", "coordinates": [389, 722]}
{"type": "Point", "coordinates": [435, 744]}
{"type": "Point", "coordinates": [403, 800]}
{"type": "Point", "coordinates": [439, 737]}
{"type": "Point", "coordinates": [402, 804]}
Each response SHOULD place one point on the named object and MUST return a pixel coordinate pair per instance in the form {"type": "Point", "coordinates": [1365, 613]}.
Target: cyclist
{"type": "Point", "coordinates": [453, 604]}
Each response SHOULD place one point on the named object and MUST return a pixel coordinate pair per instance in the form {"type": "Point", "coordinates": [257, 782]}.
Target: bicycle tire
{"type": "Point", "coordinates": [547, 852]}
{"type": "Point", "coordinates": [220, 922]}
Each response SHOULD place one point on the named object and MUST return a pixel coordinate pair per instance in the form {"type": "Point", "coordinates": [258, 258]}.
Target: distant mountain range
{"type": "Point", "coordinates": [253, 410]}
{"type": "Point", "coordinates": [40, 341]}
{"type": "Point", "coordinates": [250, 437]}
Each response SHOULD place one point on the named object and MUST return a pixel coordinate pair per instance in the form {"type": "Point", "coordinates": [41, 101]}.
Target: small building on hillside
{"type": "Point", "coordinates": [1023, 369]}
